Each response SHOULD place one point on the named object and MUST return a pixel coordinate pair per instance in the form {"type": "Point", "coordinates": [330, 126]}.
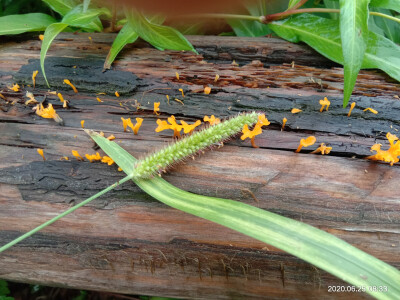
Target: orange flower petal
{"type": "Point", "coordinates": [295, 110]}
{"type": "Point", "coordinates": [66, 81]}
{"type": "Point", "coordinates": [371, 110]}
{"type": "Point", "coordinates": [40, 151]}
{"type": "Point", "coordinates": [352, 105]}
{"type": "Point", "coordinates": [207, 90]}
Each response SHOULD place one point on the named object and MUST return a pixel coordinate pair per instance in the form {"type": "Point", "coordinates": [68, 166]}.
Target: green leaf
{"type": "Point", "coordinates": [62, 6]}
{"type": "Point", "coordinates": [304, 241]}
{"type": "Point", "coordinates": [4, 291]}
{"type": "Point", "coordinates": [388, 4]}
{"type": "Point", "coordinates": [78, 18]}
{"type": "Point", "coordinates": [126, 36]}
{"type": "Point", "coordinates": [86, 4]}
{"type": "Point", "coordinates": [354, 34]}
{"type": "Point", "coordinates": [385, 26]}
{"type": "Point", "coordinates": [323, 35]}
{"type": "Point", "coordinates": [161, 37]}
{"type": "Point", "coordinates": [49, 35]}
{"type": "Point", "coordinates": [292, 3]}
{"type": "Point", "coordinates": [16, 24]}
{"type": "Point", "coordinates": [251, 28]}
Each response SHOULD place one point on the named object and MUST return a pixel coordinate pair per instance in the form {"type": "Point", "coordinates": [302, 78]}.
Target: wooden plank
{"type": "Point", "coordinates": [128, 242]}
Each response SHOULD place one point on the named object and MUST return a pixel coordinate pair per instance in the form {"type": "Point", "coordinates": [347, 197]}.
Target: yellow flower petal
{"type": "Point", "coordinates": [117, 94]}
{"type": "Point", "coordinates": [77, 155]}
{"type": "Point", "coordinates": [371, 110]}
{"type": "Point", "coordinates": [34, 74]}
{"type": "Point", "coordinates": [156, 107]}
{"type": "Point", "coordinates": [66, 81]}
{"type": "Point", "coordinates": [83, 123]}
{"type": "Point", "coordinates": [352, 105]}
{"type": "Point", "coordinates": [40, 151]}
{"type": "Point", "coordinates": [295, 110]}
{"type": "Point", "coordinates": [284, 120]}
{"type": "Point", "coordinates": [207, 90]}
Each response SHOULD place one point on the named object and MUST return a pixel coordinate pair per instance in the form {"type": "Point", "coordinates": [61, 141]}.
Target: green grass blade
{"type": "Point", "coordinates": [304, 241]}
{"type": "Point", "coordinates": [354, 35]}
{"type": "Point", "coordinates": [16, 24]}
{"type": "Point", "coordinates": [126, 36]}
{"type": "Point", "coordinates": [49, 35]}
{"type": "Point", "coordinates": [161, 37]}
{"type": "Point", "coordinates": [324, 36]}
{"type": "Point", "coordinates": [68, 211]}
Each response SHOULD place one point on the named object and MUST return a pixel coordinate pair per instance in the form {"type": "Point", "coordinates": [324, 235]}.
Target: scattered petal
{"type": "Point", "coordinates": [90, 39]}
{"type": "Point", "coordinates": [77, 155]}
{"type": "Point", "coordinates": [61, 97]}
{"type": "Point", "coordinates": [177, 75]}
{"type": "Point", "coordinates": [167, 99]}
{"type": "Point", "coordinates": [137, 125]}
{"type": "Point", "coordinates": [324, 103]}
{"type": "Point", "coordinates": [40, 151]}
{"type": "Point", "coordinates": [295, 110]}
{"type": "Point", "coordinates": [126, 123]}
{"type": "Point", "coordinates": [183, 95]}
{"type": "Point", "coordinates": [64, 158]}
{"type": "Point", "coordinates": [98, 99]}
{"type": "Point", "coordinates": [216, 78]}
{"type": "Point", "coordinates": [66, 81]}
{"type": "Point", "coordinates": [107, 160]}
{"type": "Point", "coordinates": [156, 108]}
{"type": "Point", "coordinates": [323, 149]}
{"type": "Point", "coordinates": [83, 123]}
{"type": "Point", "coordinates": [352, 105]}
{"type": "Point", "coordinates": [180, 101]}
{"type": "Point", "coordinates": [34, 74]}
{"type": "Point", "coordinates": [93, 157]}
{"type": "Point", "coordinates": [41, 37]}
{"type": "Point", "coordinates": [306, 142]}
{"type": "Point", "coordinates": [116, 94]}
{"type": "Point", "coordinates": [1, 96]}
{"type": "Point", "coordinates": [371, 110]}
{"type": "Point", "coordinates": [207, 90]}
{"type": "Point", "coordinates": [31, 100]}
{"type": "Point", "coordinates": [15, 87]}
{"type": "Point", "coordinates": [188, 128]}
{"type": "Point", "coordinates": [48, 112]}
{"type": "Point", "coordinates": [284, 120]}
{"type": "Point", "coordinates": [212, 120]}
{"type": "Point", "coordinates": [111, 137]}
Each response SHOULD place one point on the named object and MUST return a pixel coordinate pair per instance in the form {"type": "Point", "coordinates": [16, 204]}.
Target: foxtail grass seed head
{"type": "Point", "coordinates": [190, 145]}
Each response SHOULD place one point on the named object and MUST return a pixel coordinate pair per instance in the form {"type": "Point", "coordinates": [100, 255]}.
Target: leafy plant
{"type": "Point", "coordinates": [4, 291]}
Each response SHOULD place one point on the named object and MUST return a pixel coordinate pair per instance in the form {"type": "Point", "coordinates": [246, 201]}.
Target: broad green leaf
{"type": "Point", "coordinates": [62, 6]}
{"type": "Point", "coordinates": [77, 18]}
{"type": "Point", "coordinates": [388, 4]}
{"type": "Point", "coordinates": [161, 37]}
{"type": "Point", "coordinates": [126, 36]}
{"type": "Point", "coordinates": [354, 35]}
{"type": "Point", "coordinates": [304, 241]}
{"type": "Point", "coordinates": [49, 35]}
{"type": "Point", "coordinates": [324, 36]}
{"type": "Point", "coordinates": [248, 28]}
{"type": "Point", "coordinates": [16, 24]}
{"type": "Point", "coordinates": [388, 27]}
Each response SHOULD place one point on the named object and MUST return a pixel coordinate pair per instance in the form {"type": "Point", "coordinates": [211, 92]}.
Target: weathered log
{"type": "Point", "coordinates": [128, 242]}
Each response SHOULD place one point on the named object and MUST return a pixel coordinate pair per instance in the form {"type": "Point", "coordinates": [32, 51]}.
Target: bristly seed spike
{"type": "Point", "coordinates": [209, 138]}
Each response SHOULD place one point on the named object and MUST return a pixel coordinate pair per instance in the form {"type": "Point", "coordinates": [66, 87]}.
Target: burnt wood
{"type": "Point", "coordinates": [128, 242]}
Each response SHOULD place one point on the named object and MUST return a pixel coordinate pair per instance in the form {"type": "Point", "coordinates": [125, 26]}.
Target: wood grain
{"type": "Point", "coordinates": [128, 242]}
